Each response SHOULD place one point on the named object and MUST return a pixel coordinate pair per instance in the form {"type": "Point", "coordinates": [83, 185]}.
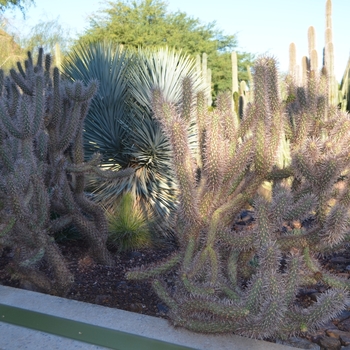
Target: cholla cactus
{"type": "Point", "coordinates": [246, 281]}
{"type": "Point", "coordinates": [42, 170]}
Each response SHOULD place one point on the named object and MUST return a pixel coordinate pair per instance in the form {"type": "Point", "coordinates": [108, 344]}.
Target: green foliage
{"type": "Point", "coordinates": [104, 132]}
{"type": "Point", "coordinates": [128, 227]}
{"type": "Point", "coordinates": [9, 4]}
{"type": "Point", "coordinates": [246, 281]}
{"type": "Point", "coordinates": [161, 68]}
{"type": "Point", "coordinates": [43, 171]}
{"type": "Point", "coordinates": [46, 34]}
{"type": "Point", "coordinates": [148, 24]}
{"type": "Point", "coordinates": [10, 51]}
{"type": "Point", "coordinates": [120, 123]}
{"type": "Point", "coordinates": [220, 64]}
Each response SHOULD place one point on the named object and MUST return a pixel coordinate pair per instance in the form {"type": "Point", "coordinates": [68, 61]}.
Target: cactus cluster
{"type": "Point", "coordinates": [246, 280]}
{"type": "Point", "coordinates": [43, 171]}
{"type": "Point", "coordinates": [310, 63]}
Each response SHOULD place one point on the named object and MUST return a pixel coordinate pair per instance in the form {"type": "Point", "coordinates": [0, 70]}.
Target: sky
{"type": "Point", "coordinates": [261, 26]}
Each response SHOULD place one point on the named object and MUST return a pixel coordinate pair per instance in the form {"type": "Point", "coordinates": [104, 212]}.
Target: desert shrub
{"type": "Point", "coordinates": [246, 281]}
{"type": "Point", "coordinates": [128, 227]}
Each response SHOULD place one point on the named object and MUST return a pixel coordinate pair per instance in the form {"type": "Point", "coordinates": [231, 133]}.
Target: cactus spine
{"type": "Point", "coordinates": [233, 281]}
{"type": "Point", "coordinates": [43, 170]}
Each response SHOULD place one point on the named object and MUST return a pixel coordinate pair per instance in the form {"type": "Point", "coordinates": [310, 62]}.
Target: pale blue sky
{"type": "Point", "coordinates": [262, 26]}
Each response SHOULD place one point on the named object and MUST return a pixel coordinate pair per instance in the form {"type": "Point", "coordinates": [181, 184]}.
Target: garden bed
{"type": "Point", "coordinates": [99, 284]}
{"type": "Point", "coordinates": [107, 286]}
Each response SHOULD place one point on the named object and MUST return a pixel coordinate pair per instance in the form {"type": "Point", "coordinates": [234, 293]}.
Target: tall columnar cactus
{"type": "Point", "coordinates": [43, 170]}
{"type": "Point", "coordinates": [311, 35]}
{"type": "Point", "coordinates": [206, 78]}
{"type": "Point", "coordinates": [329, 56]}
{"type": "Point", "coordinates": [344, 88]}
{"type": "Point", "coordinates": [311, 64]}
{"type": "Point", "coordinates": [241, 95]}
{"type": "Point", "coordinates": [293, 67]}
{"type": "Point", "coordinates": [234, 71]}
{"type": "Point", "coordinates": [305, 68]}
{"type": "Point", "coordinates": [246, 280]}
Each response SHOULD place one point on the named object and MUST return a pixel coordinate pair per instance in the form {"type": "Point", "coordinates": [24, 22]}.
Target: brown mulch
{"type": "Point", "coordinates": [107, 286]}
{"type": "Point", "coordinates": [100, 284]}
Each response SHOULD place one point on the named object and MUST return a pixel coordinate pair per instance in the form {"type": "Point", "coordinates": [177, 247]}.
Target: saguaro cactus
{"type": "Point", "coordinates": [42, 170]}
{"type": "Point", "coordinates": [245, 281]}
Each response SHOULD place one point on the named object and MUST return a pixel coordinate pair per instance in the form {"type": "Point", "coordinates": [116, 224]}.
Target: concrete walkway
{"type": "Point", "coordinates": [15, 337]}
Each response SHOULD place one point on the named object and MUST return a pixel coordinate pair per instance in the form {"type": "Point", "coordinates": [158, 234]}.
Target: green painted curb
{"type": "Point", "coordinates": [81, 331]}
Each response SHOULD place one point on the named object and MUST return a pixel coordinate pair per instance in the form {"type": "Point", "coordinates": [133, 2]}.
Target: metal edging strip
{"type": "Point", "coordinates": [84, 332]}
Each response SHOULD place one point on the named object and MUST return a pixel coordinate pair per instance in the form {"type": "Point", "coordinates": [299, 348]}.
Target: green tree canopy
{"type": "Point", "coordinates": [10, 51]}
{"type": "Point", "coordinates": [21, 4]}
{"type": "Point", "coordinates": [46, 34]}
{"type": "Point", "coordinates": [49, 34]}
{"type": "Point", "coordinates": [148, 23]}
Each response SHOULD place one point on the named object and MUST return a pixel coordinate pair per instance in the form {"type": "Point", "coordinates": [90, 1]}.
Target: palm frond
{"type": "Point", "coordinates": [120, 123]}
{"type": "Point", "coordinates": [162, 69]}
{"type": "Point", "coordinates": [108, 63]}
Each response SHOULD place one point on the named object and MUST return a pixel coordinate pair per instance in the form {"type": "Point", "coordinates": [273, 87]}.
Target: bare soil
{"type": "Point", "coordinates": [107, 286]}
{"type": "Point", "coordinates": [100, 284]}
